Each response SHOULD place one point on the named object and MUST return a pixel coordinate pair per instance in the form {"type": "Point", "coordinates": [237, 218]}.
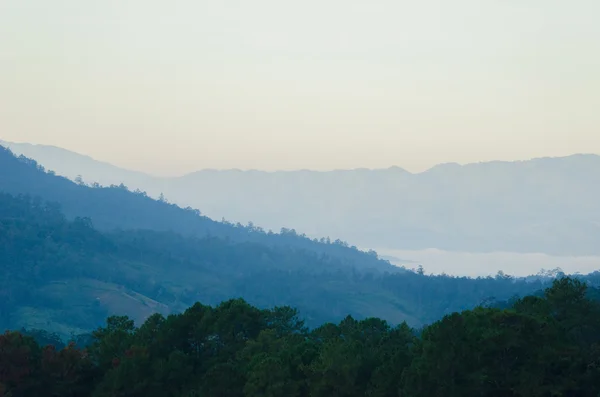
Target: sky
{"type": "Point", "coordinates": [172, 87]}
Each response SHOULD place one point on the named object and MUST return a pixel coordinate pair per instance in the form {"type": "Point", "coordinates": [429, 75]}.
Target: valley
{"type": "Point", "coordinates": [299, 199]}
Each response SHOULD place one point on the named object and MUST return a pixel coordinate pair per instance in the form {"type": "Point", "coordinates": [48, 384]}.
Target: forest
{"type": "Point", "coordinates": [544, 345]}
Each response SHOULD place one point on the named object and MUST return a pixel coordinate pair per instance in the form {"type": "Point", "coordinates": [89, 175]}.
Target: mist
{"type": "Point", "coordinates": [171, 89]}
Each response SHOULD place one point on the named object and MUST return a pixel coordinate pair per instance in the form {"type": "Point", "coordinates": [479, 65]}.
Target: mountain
{"type": "Point", "coordinates": [545, 205]}
{"type": "Point", "coordinates": [66, 276]}
{"type": "Point", "coordinates": [117, 208]}
{"type": "Point", "coordinates": [70, 164]}
{"type": "Point", "coordinates": [72, 255]}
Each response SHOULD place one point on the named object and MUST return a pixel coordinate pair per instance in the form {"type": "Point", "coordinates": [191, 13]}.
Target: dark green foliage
{"type": "Point", "coordinates": [537, 347]}
{"type": "Point", "coordinates": [544, 346]}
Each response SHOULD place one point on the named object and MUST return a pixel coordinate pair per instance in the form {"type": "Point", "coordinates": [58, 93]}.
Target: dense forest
{"type": "Point", "coordinates": [542, 346]}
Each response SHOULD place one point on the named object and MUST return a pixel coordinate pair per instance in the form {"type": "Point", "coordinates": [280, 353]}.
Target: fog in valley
{"type": "Point", "coordinates": [436, 261]}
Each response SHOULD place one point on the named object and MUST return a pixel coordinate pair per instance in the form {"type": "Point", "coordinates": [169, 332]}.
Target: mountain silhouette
{"type": "Point", "coordinates": [544, 205]}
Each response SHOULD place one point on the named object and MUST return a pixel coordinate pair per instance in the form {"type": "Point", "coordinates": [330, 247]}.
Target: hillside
{"type": "Point", "coordinates": [73, 254]}
{"type": "Point", "coordinates": [65, 276]}
{"type": "Point", "coordinates": [545, 205]}
{"type": "Point", "coordinates": [70, 164]}
{"type": "Point", "coordinates": [116, 207]}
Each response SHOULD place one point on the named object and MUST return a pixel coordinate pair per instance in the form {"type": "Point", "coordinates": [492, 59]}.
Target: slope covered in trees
{"type": "Point", "coordinates": [543, 205]}
{"type": "Point", "coordinates": [540, 346]}
{"type": "Point", "coordinates": [65, 276]}
{"type": "Point", "coordinates": [117, 208]}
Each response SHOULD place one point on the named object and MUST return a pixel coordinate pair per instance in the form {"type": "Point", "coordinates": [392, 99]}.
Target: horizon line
{"type": "Point", "coordinates": [255, 170]}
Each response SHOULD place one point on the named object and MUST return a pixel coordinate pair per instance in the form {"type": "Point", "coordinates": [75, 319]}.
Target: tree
{"type": "Point", "coordinates": [111, 341]}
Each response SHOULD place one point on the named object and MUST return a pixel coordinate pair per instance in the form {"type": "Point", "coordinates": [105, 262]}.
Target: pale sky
{"type": "Point", "coordinates": [174, 86]}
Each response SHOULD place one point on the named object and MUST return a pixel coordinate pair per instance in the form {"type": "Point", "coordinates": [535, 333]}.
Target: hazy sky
{"type": "Point", "coordinates": [174, 86]}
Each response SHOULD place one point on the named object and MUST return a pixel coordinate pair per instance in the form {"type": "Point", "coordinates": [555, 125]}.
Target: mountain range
{"type": "Point", "coordinates": [71, 255]}
{"type": "Point", "coordinates": [545, 205]}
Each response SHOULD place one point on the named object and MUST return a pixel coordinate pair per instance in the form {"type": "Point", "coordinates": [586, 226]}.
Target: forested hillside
{"type": "Point", "coordinates": [540, 346]}
{"type": "Point", "coordinates": [65, 276]}
{"type": "Point", "coordinates": [116, 207]}
{"type": "Point", "coordinates": [544, 205]}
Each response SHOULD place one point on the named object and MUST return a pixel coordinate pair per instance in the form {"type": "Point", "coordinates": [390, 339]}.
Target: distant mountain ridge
{"type": "Point", "coordinates": [545, 205]}
{"type": "Point", "coordinates": [49, 154]}
{"type": "Point", "coordinates": [70, 164]}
